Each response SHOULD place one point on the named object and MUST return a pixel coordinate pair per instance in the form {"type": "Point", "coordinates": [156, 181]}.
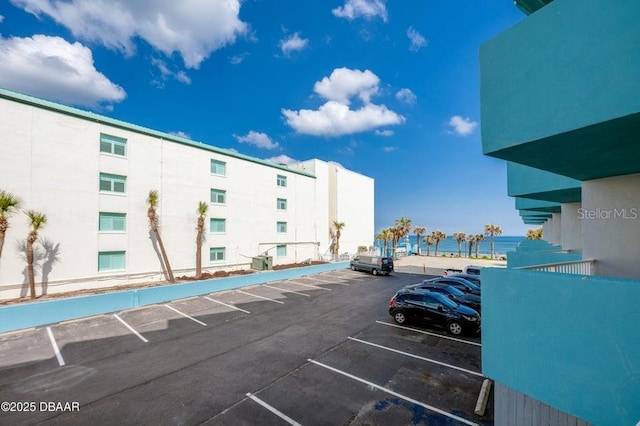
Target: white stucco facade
{"type": "Point", "coordinates": [51, 158]}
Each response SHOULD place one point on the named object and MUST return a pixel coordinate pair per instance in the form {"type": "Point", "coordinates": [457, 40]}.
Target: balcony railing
{"type": "Point", "coordinates": [580, 267]}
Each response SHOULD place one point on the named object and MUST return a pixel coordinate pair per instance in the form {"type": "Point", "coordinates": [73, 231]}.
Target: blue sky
{"type": "Point", "coordinates": [387, 89]}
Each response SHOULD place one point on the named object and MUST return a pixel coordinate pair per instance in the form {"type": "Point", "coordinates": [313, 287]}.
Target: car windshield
{"type": "Point", "coordinates": [454, 291]}
{"type": "Point", "coordinates": [448, 302]}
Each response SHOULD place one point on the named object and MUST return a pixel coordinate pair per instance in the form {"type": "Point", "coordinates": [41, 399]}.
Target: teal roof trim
{"type": "Point", "coordinates": [90, 116]}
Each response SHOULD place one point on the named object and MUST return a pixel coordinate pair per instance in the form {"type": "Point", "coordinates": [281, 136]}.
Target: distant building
{"type": "Point", "coordinates": [560, 99]}
{"type": "Point", "coordinates": [91, 175]}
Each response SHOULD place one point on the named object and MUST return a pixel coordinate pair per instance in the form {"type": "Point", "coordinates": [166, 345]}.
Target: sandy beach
{"type": "Point", "coordinates": [432, 265]}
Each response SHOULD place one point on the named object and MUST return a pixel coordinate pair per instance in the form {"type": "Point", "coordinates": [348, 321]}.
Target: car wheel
{"type": "Point", "coordinates": [454, 328]}
{"type": "Point", "coordinates": [374, 271]}
{"type": "Point", "coordinates": [353, 268]}
{"type": "Point", "coordinates": [399, 317]}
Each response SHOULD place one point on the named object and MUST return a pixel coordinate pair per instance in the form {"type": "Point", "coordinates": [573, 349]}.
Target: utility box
{"type": "Point", "coordinates": [268, 262]}
{"type": "Point", "coordinates": [262, 263]}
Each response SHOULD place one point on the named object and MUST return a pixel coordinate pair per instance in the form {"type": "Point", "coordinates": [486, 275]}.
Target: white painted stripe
{"type": "Point", "coordinates": [433, 361]}
{"type": "Point", "coordinates": [273, 410]}
{"type": "Point", "coordinates": [396, 394]}
{"type": "Point", "coordinates": [184, 315]}
{"type": "Point", "coordinates": [55, 347]}
{"type": "Point", "coordinates": [131, 328]}
{"type": "Point", "coordinates": [327, 282]}
{"type": "Point", "coordinates": [430, 334]}
{"type": "Point", "coordinates": [228, 306]}
{"type": "Point", "coordinates": [286, 291]}
{"type": "Point", "coordinates": [309, 285]}
{"type": "Point", "coordinates": [260, 297]}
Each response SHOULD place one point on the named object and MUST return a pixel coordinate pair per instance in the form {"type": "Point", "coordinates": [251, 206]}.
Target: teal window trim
{"type": "Point", "coordinates": [217, 225]}
{"type": "Point", "coordinates": [113, 183]}
{"type": "Point", "coordinates": [113, 145]}
{"type": "Point", "coordinates": [218, 167]}
{"type": "Point", "coordinates": [281, 227]}
{"type": "Point", "coordinates": [282, 181]}
{"type": "Point", "coordinates": [282, 204]}
{"type": "Point", "coordinates": [218, 196]}
{"type": "Point", "coordinates": [217, 254]}
{"type": "Point", "coordinates": [112, 222]}
{"type": "Point", "coordinates": [111, 261]}
{"type": "Point", "coordinates": [281, 251]}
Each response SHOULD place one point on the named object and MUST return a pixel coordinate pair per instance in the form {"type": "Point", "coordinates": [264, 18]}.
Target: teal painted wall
{"type": "Point", "coordinates": [516, 259]}
{"type": "Point", "coordinates": [536, 205]}
{"type": "Point", "coordinates": [529, 182]}
{"type": "Point", "coordinates": [570, 341]}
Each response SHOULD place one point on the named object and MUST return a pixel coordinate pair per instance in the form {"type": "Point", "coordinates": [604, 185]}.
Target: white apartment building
{"type": "Point", "coordinates": [91, 175]}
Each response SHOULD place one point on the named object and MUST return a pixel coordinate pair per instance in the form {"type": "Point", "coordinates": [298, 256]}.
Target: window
{"type": "Point", "coordinates": [218, 225]}
{"type": "Point", "coordinates": [282, 227]}
{"type": "Point", "coordinates": [281, 251]}
{"type": "Point", "coordinates": [113, 145]}
{"type": "Point", "coordinates": [112, 183]}
{"type": "Point", "coordinates": [218, 196]}
{"type": "Point", "coordinates": [216, 254]}
{"type": "Point", "coordinates": [218, 167]}
{"type": "Point", "coordinates": [111, 261]}
{"type": "Point", "coordinates": [282, 181]}
{"type": "Point", "coordinates": [112, 222]}
{"type": "Point", "coordinates": [282, 204]}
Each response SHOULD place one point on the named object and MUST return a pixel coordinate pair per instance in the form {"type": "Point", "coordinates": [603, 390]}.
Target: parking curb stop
{"type": "Point", "coordinates": [483, 397]}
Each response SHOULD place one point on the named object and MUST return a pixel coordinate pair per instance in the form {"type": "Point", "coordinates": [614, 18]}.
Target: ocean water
{"type": "Point", "coordinates": [502, 244]}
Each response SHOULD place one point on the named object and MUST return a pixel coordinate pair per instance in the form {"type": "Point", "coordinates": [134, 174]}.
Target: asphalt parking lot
{"type": "Point", "coordinates": [317, 350]}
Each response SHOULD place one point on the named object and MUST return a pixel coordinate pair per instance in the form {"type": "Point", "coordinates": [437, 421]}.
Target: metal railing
{"type": "Point", "coordinates": [579, 267]}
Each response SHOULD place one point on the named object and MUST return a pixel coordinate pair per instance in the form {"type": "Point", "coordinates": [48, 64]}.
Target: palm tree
{"type": "Point", "coordinates": [471, 240]}
{"type": "Point", "coordinates": [202, 212]}
{"type": "Point", "coordinates": [336, 246]}
{"type": "Point", "coordinates": [37, 221]}
{"type": "Point", "coordinates": [534, 234]}
{"type": "Point", "coordinates": [492, 230]}
{"type": "Point", "coordinates": [8, 203]}
{"type": "Point", "coordinates": [403, 227]}
{"type": "Point", "coordinates": [388, 235]}
{"type": "Point", "coordinates": [460, 237]}
{"type": "Point", "coordinates": [478, 238]}
{"type": "Point", "coordinates": [152, 201]}
{"type": "Point", "coordinates": [437, 237]}
{"type": "Point", "coordinates": [429, 241]}
{"type": "Point", "coordinates": [419, 230]}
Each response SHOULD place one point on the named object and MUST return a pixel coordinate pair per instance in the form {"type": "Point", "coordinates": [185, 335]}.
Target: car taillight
{"type": "Point", "coordinates": [392, 302]}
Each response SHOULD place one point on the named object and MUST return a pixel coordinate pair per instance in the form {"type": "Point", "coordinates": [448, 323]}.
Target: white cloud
{"type": "Point", "coordinates": [367, 9]}
{"type": "Point", "coordinates": [293, 43]}
{"type": "Point", "coordinates": [1, 19]}
{"type": "Point", "coordinates": [236, 59]}
{"type": "Point", "coordinates": [336, 119]}
{"type": "Point", "coordinates": [407, 96]}
{"type": "Point", "coordinates": [181, 134]}
{"type": "Point", "coordinates": [389, 148]}
{"type": "Point", "coordinates": [385, 132]}
{"type": "Point", "coordinates": [461, 126]}
{"type": "Point", "coordinates": [166, 73]}
{"type": "Point", "coordinates": [417, 40]}
{"type": "Point", "coordinates": [192, 28]}
{"type": "Point", "coordinates": [261, 140]}
{"type": "Point", "coordinates": [343, 83]}
{"type": "Point", "coordinates": [282, 159]}
{"type": "Point", "coordinates": [52, 68]}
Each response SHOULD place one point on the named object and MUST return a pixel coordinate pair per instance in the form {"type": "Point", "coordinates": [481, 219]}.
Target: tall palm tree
{"type": "Point", "coordinates": [403, 227]}
{"type": "Point", "coordinates": [202, 212]}
{"type": "Point", "coordinates": [37, 221]}
{"type": "Point", "coordinates": [388, 235]}
{"type": "Point", "coordinates": [437, 237]}
{"type": "Point", "coordinates": [153, 200]}
{"type": "Point", "coordinates": [472, 240]}
{"type": "Point", "coordinates": [429, 242]}
{"type": "Point", "coordinates": [492, 230]}
{"type": "Point", "coordinates": [419, 230]}
{"type": "Point", "coordinates": [479, 238]}
{"type": "Point", "coordinates": [8, 204]}
{"type": "Point", "coordinates": [336, 246]}
{"type": "Point", "coordinates": [460, 237]}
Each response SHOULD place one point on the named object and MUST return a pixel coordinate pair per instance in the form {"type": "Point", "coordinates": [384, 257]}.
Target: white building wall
{"type": "Point", "coordinates": [610, 219]}
{"type": "Point", "coordinates": [571, 227]}
{"type": "Point", "coordinates": [52, 161]}
{"type": "Point", "coordinates": [355, 199]}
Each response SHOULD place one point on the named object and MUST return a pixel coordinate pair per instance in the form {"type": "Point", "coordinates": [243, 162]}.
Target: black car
{"type": "Point", "coordinates": [433, 309]}
{"type": "Point", "coordinates": [475, 279]}
{"type": "Point", "coordinates": [459, 283]}
{"type": "Point", "coordinates": [458, 296]}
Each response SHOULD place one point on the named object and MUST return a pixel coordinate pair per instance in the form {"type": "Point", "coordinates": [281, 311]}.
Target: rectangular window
{"type": "Point", "coordinates": [111, 261]}
{"type": "Point", "coordinates": [218, 225]}
{"type": "Point", "coordinates": [216, 254]}
{"type": "Point", "coordinates": [282, 181]}
{"type": "Point", "coordinates": [112, 222]}
{"type": "Point", "coordinates": [282, 227]}
{"type": "Point", "coordinates": [218, 167]}
{"type": "Point", "coordinates": [281, 251]}
{"type": "Point", "coordinates": [113, 145]}
{"type": "Point", "coordinates": [218, 196]}
{"type": "Point", "coordinates": [282, 204]}
{"type": "Point", "coordinates": [113, 183]}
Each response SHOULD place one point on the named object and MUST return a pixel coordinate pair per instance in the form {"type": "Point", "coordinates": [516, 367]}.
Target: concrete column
{"type": "Point", "coordinates": [571, 227]}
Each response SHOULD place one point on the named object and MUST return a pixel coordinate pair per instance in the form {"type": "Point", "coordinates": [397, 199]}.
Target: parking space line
{"type": "Point", "coordinates": [396, 394]}
{"type": "Point", "coordinates": [433, 361]}
{"type": "Point", "coordinates": [327, 282]}
{"type": "Point", "coordinates": [286, 291]}
{"type": "Point", "coordinates": [131, 328]}
{"type": "Point", "coordinates": [260, 297]}
{"type": "Point", "coordinates": [309, 285]}
{"type": "Point", "coordinates": [274, 410]}
{"type": "Point", "coordinates": [185, 315]}
{"type": "Point", "coordinates": [228, 306]}
{"type": "Point", "coordinates": [55, 347]}
{"type": "Point", "coordinates": [430, 334]}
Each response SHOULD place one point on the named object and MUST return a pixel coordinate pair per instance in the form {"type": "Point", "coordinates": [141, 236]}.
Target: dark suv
{"type": "Point", "coordinates": [374, 264]}
{"type": "Point", "coordinates": [433, 309]}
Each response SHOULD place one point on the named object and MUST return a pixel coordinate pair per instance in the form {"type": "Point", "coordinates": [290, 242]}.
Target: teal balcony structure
{"type": "Point", "coordinates": [560, 102]}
